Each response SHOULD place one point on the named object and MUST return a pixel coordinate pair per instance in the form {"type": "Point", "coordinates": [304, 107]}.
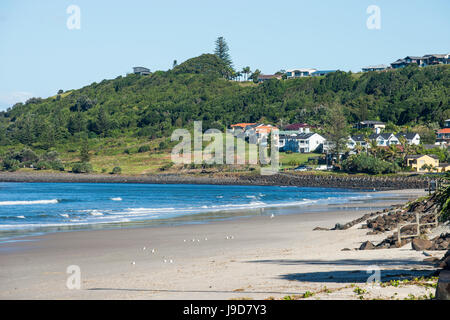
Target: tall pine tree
{"type": "Point", "coordinates": [223, 52]}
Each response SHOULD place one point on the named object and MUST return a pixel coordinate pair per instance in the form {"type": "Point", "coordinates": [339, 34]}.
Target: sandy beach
{"type": "Point", "coordinates": [258, 257]}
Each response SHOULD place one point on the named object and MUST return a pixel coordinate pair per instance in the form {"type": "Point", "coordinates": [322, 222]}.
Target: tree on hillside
{"type": "Point", "coordinates": [255, 75]}
{"type": "Point", "coordinates": [246, 71]}
{"type": "Point", "coordinates": [337, 128]}
{"type": "Point", "coordinates": [223, 52]}
{"type": "Point", "coordinates": [84, 151]}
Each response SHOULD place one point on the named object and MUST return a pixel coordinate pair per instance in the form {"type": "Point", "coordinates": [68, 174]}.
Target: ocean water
{"type": "Point", "coordinates": [44, 207]}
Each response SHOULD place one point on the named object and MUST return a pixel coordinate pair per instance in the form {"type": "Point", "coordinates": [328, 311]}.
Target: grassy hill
{"type": "Point", "coordinates": [128, 112]}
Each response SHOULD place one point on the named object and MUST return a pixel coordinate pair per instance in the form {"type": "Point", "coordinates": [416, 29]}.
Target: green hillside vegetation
{"type": "Point", "coordinates": [128, 112]}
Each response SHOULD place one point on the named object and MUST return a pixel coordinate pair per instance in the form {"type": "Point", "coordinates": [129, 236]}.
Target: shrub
{"type": "Point", "coordinates": [82, 167]}
{"type": "Point", "coordinates": [43, 165]}
{"type": "Point", "coordinates": [368, 164]}
{"type": "Point", "coordinates": [27, 155]}
{"type": "Point", "coordinates": [10, 164]}
{"type": "Point", "coordinates": [50, 156]}
{"type": "Point", "coordinates": [162, 145]}
{"type": "Point", "coordinates": [145, 148]}
{"type": "Point", "coordinates": [116, 170]}
{"type": "Point", "coordinates": [127, 151]}
{"type": "Point", "coordinates": [57, 165]}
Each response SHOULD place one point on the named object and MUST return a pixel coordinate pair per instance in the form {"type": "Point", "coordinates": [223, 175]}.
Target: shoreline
{"type": "Point", "coordinates": [253, 257]}
{"type": "Point", "coordinates": [357, 182]}
{"type": "Point", "coordinates": [377, 201]}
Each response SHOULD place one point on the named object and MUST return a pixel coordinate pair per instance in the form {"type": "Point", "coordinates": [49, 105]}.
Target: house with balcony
{"type": "Point", "coordinates": [426, 60]}
{"type": "Point", "coordinates": [434, 59]}
{"type": "Point", "coordinates": [256, 133]}
{"type": "Point", "coordinates": [301, 142]}
{"type": "Point", "coordinates": [379, 67]}
{"type": "Point", "coordinates": [299, 127]}
{"type": "Point", "coordinates": [410, 137]}
{"type": "Point", "coordinates": [141, 71]}
{"type": "Point", "coordinates": [299, 73]}
{"type": "Point", "coordinates": [239, 127]}
{"type": "Point", "coordinates": [265, 77]}
{"type": "Point", "coordinates": [357, 140]}
{"type": "Point", "coordinates": [321, 73]}
{"type": "Point", "coordinates": [384, 139]}
{"type": "Point", "coordinates": [376, 126]}
{"type": "Point", "coordinates": [443, 136]}
{"type": "Point", "coordinates": [423, 163]}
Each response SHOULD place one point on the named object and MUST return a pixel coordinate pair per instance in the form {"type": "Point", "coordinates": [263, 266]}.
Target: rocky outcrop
{"type": "Point", "coordinates": [441, 242]}
{"type": "Point", "coordinates": [365, 217]}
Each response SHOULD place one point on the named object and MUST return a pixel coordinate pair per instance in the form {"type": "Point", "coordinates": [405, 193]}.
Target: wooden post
{"type": "Point", "coordinates": [418, 223]}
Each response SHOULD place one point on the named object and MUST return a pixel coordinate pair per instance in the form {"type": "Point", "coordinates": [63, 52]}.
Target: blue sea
{"type": "Point", "coordinates": [46, 207]}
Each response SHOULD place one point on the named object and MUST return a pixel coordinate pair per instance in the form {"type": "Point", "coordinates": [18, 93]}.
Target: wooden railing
{"type": "Point", "coordinates": [401, 225]}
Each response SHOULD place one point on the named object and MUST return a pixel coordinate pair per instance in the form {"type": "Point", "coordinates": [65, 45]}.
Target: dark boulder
{"type": "Point", "coordinates": [367, 246]}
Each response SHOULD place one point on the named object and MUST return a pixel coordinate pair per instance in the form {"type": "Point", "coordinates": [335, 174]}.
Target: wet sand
{"type": "Point", "coordinates": [256, 257]}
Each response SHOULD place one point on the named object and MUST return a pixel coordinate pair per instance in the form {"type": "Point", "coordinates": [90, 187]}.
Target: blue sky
{"type": "Point", "coordinates": [39, 55]}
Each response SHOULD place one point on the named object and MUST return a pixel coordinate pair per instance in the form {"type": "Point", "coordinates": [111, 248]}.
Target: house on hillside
{"type": "Point", "coordinates": [265, 77]}
{"type": "Point", "coordinates": [357, 140]}
{"type": "Point", "coordinates": [384, 139]}
{"type": "Point", "coordinates": [426, 60]}
{"type": "Point", "coordinates": [284, 135]}
{"type": "Point", "coordinates": [239, 127]}
{"type": "Point", "coordinates": [400, 63]}
{"type": "Point", "coordinates": [443, 136]}
{"type": "Point", "coordinates": [433, 59]}
{"type": "Point", "coordinates": [411, 138]}
{"type": "Point", "coordinates": [299, 73]}
{"type": "Point", "coordinates": [376, 126]}
{"type": "Point", "coordinates": [419, 163]}
{"type": "Point", "coordinates": [379, 67]}
{"type": "Point", "coordinates": [299, 127]}
{"type": "Point", "coordinates": [255, 133]}
{"type": "Point", "coordinates": [319, 73]}
{"type": "Point", "coordinates": [301, 142]}
{"type": "Point", "coordinates": [141, 71]}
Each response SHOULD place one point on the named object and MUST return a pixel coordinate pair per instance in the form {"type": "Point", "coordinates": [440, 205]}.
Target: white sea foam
{"type": "Point", "coordinates": [96, 213]}
{"type": "Point", "coordinates": [116, 199]}
{"type": "Point", "coordinates": [20, 217]}
{"type": "Point", "coordinates": [30, 202]}
{"type": "Point", "coordinates": [65, 215]}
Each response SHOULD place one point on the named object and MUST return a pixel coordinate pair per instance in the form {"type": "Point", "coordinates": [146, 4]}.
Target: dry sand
{"type": "Point", "coordinates": [263, 257]}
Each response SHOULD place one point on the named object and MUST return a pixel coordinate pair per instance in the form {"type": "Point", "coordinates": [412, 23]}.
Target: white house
{"type": "Point", "coordinates": [384, 139]}
{"type": "Point", "coordinates": [411, 138]}
{"type": "Point", "coordinates": [300, 72]}
{"type": "Point", "coordinates": [357, 140]}
{"type": "Point", "coordinates": [301, 142]}
{"type": "Point", "coordinates": [376, 126]}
